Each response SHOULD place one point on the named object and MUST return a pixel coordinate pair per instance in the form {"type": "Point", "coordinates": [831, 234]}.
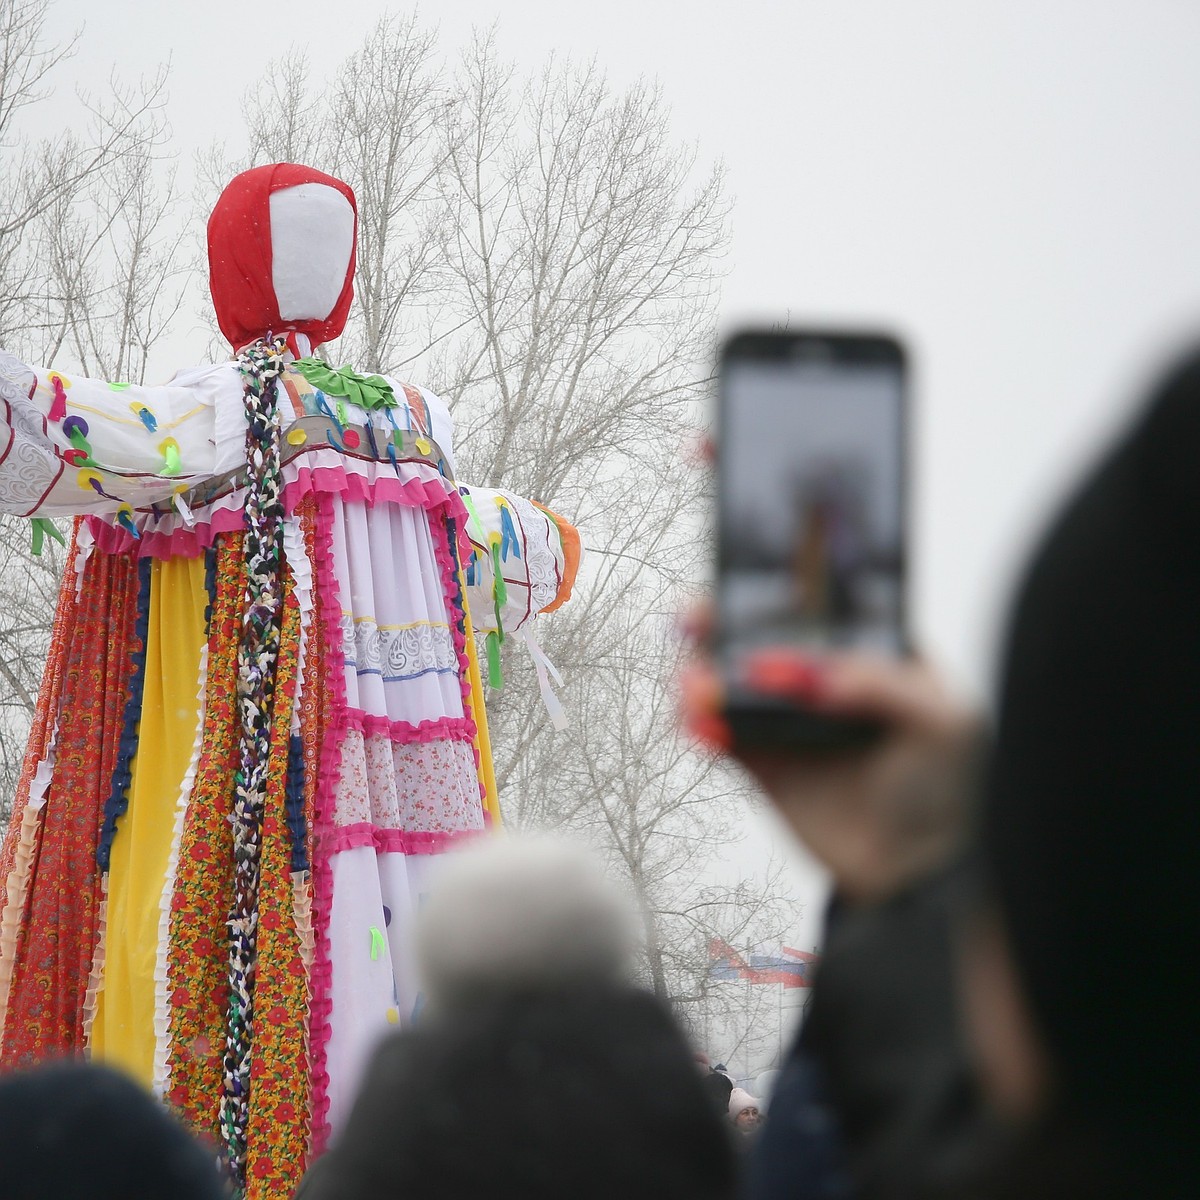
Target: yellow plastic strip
{"type": "Point", "coordinates": [483, 743]}
{"type": "Point", "coordinates": [123, 1031]}
{"type": "Point", "coordinates": [113, 419]}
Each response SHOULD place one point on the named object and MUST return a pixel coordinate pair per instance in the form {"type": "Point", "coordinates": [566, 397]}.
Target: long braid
{"type": "Point", "coordinates": [258, 653]}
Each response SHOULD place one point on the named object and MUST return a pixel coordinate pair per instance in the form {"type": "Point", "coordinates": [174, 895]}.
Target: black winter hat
{"type": "Point", "coordinates": [589, 1093]}
{"type": "Point", "coordinates": [1089, 830]}
{"type": "Point", "coordinates": [72, 1130]}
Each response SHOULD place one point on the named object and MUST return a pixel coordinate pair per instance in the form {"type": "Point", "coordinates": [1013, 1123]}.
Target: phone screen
{"type": "Point", "coordinates": [811, 481]}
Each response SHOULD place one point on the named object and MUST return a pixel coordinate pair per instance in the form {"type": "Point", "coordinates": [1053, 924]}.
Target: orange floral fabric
{"type": "Point", "coordinates": [277, 1139]}
{"type": "Point", "coordinates": [54, 956]}
{"type": "Point", "coordinates": [198, 987]}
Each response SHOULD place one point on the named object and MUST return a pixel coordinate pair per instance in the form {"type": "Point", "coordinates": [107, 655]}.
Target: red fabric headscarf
{"type": "Point", "coordinates": [239, 257]}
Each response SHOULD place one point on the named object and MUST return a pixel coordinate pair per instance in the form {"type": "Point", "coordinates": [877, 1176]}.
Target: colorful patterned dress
{"type": "Point", "coordinates": [120, 864]}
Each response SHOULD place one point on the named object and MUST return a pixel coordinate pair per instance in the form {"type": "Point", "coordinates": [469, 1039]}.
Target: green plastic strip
{"type": "Point", "coordinates": [495, 674]}
{"type": "Point", "coordinates": [473, 512]}
{"type": "Point", "coordinates": [378, 945]}
{"type": "Point", "coordinates": [499, 586]}
{"type": "Point", "coordinates": [43, 526]}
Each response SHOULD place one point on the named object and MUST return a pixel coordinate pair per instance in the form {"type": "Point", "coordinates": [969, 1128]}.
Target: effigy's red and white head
{"type": "Point", "coordinates": [281, 243]}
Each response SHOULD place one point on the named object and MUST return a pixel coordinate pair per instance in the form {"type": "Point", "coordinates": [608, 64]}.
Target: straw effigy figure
{"type": "Point", "coordinates": [262, 712]}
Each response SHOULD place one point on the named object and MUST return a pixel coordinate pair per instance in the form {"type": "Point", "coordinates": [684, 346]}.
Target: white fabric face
{"type": "Point", "coordinates": [312, 240]}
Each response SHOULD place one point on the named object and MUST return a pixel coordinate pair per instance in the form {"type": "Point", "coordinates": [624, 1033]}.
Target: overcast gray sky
{"type": "Point", "coordinates": [1011, 184]}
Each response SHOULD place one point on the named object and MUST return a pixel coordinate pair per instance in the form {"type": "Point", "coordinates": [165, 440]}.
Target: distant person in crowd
{"type": "Point", "coordinates": [76, 1131]}
{"type": "Point", "coordinates": [718, 1087]}
{"type": "Point", "coordinates": [764, 1086]}
{"type": "Point", "coordinates": [1066, 921]}
{"type": "Point", "coordinates": [744, 1112]}
{"type": "Point", "coordinates": [536, 1070]}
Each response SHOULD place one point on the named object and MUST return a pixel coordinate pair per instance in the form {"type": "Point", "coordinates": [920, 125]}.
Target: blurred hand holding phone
{"type": "Point", "coordinates": [809, 678]}
{"type": "Point", "coordinates": [812, 547]}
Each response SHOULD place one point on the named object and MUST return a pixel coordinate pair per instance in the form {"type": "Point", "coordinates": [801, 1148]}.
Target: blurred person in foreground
{"type": "Point", "coordinates": [77, 1131]}
{"type": "Point", "coordinates": [536, 1070]}
{"type": "Point", "coordinates": [1065, 923]}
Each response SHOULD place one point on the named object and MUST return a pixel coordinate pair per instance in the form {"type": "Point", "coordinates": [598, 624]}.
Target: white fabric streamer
{"type": "Point", "coordinates": [545, 671]}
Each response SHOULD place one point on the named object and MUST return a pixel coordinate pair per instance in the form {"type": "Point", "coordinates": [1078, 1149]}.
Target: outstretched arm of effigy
{"type": "Point", "coordinates": [524, 559]}
{"type": "Point", "coordinates": [71, 445]}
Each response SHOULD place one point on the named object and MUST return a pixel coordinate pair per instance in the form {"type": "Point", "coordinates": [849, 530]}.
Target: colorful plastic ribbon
{"type": "Point", "coordinates": [58, 406]}
{"type": "Point", "coordinates": [545, 670]}
{"type": "Point", "coordinates": [125, 520]}
{"type": "Point", "coordinates": [181, 506]}
{"type": "Point", "coordinates": [144, 415]}
{"type": "Point", "coordinates": [495, 674]}
{"type": "Point", "coordinates": [42, 528]}
{"type": "Point", "coordinates": [378, 945]}
{"type": "Point", "coordinates": [172, 463]}
{"type": "Point", "coordinates": [508, 532]}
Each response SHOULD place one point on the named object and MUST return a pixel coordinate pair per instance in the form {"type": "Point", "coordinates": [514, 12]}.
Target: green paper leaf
{"type": "Point", "coordinates": [371, 392]}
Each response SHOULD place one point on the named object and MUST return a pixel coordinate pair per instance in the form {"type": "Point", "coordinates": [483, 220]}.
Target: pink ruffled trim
{"type": "Point", "coordinates": [453, 729]}
{"type": "Point", "coordinates": [321, 470]}
{"type": "Point", "coordinates": [325, 802]}
{"type": "Point", "coordinates": [180, 542]}
{"type": "Point", "coordinates": [488, 820]}
{"type": "Point", "coordinates": [400, 841]}
{"type": "Point", "coordinates": [324, 470]}
{"type": "Point", "coordinates": [376, 483]}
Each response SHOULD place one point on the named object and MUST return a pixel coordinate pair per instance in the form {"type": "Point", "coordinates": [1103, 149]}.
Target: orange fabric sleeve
{"type": "Point", "coordinates": [572, 553]}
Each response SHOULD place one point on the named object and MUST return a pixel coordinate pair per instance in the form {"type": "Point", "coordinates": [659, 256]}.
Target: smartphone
{"type": "Point", "coordinates": [811, 545]}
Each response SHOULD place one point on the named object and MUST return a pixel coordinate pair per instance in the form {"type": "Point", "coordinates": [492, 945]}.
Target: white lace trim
{"type": "Point", "coordinates": [295, 553]}
{"type": "Point", "coordinates": [17, 887]}
{"type": "Point", "coordinates": [400, 652]}
{"type": "Point", "coordinates": [96, 975]}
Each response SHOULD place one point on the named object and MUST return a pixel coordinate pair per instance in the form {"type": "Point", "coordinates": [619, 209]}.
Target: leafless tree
{"type": "Point", "coordinates": [545, 254]}
{"type": "Point", "coordinates": [88, 280]}
{"type": "Point", "coordinates": [585, 248]}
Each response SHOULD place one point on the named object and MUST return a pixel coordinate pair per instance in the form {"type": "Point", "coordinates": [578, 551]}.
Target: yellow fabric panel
{"type": "Point", "coordinates": [123, 1032]}
{"type": "Point", "coordinates": [483, 743]}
